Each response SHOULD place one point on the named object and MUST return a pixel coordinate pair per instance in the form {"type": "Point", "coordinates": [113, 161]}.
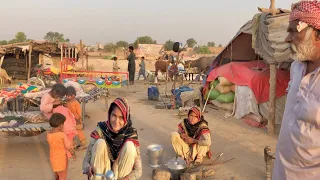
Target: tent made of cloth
{"type": "Point", "coordinates": [255, 75]}
{"type": "Point", "coordinates": [263, 37]}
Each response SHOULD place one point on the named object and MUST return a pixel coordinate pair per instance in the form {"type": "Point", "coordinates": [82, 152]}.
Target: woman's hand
{"type": "Point", "coordinates": [190, 140]}
{"type": "Point", "coordinates": [183, 136]}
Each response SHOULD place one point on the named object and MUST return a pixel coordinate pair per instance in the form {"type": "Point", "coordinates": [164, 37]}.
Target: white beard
{"type": "Point", "coordinates": [305, 51]}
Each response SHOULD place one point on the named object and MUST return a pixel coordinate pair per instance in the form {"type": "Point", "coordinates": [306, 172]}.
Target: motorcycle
{"type": "Point", "coordinates": [48, 75]}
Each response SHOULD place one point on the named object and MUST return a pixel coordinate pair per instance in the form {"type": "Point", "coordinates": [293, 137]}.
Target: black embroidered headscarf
{"type": "Point", "coordinates": [194, 131]}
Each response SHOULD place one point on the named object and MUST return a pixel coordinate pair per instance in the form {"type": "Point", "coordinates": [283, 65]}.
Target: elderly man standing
{"type": "Point", "coordinates": [298, 149]}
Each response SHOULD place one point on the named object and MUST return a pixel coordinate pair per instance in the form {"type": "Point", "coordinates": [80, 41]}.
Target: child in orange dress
{"type": "Point", "coordinates": [74, 106]}
{"type": "Point", "coordinates": [59, 146]}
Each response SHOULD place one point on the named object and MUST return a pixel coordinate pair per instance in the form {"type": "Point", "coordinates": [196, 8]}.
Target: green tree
{"type": "Point", "coordinates": [110, 47]}
{"type": "Point", "coordinates": [12, 41]}
{"type": "Point", "coordinates": [55, 37]}
{"type": "Point", "coordinates": [191, 42]}
{"type": "Point", "coordinates": [3, 42]}
{"type": "Point", "coordinates": [21, 37]}
{"type": "Point", "coordinates": [211, 44]}
{"type": "Point", "coordinates": [204, 50]}
{"type": "Point", "coordinates": [144, 40]}
{"type": "Point", "coordinates": [220, 45]}
{"type": "Point", "coordinates": [168, 46]}
{"type": "Point", "coordinates": [122, 44]}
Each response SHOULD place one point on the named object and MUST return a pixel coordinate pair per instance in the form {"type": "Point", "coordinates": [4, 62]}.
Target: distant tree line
{"type": "Point", "coordinates": [22, 37]}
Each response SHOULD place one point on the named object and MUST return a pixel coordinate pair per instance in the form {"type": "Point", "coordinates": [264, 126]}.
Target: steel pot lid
{"type": "Point", "coordinates": [177, 164]}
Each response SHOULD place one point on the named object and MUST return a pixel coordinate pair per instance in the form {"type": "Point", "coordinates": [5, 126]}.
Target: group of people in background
{"type": "Point", "coordinates": [131, 66]}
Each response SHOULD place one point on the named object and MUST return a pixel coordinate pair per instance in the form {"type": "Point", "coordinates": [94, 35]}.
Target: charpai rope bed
{"type": "Point", "coordinates": [34, 120]}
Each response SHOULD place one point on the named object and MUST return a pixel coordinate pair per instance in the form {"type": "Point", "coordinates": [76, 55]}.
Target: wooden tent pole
{"type": "Point", "coordinates": [273, 86]}
{"type": "Point", "coordinates": [272, 7]}
{"type": "Point", "coordinates": [87, 57]}
{"type": "Point", "coordinates": [272, 99]}
{"type": "Point", "coordinates": [29, 67]}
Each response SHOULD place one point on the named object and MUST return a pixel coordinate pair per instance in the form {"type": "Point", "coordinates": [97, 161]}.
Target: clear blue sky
{"type": "Point", "coordinates": [112, 20]}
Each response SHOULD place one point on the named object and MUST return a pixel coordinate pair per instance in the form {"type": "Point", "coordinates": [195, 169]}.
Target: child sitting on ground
{"type": "Point", "coordinates": [74, 106]}
{"type": "Point", "coordinates": [59, 146]}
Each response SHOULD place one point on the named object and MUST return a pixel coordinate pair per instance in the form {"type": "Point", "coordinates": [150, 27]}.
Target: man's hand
{"type": "Point", "coordinates": [90, 172]}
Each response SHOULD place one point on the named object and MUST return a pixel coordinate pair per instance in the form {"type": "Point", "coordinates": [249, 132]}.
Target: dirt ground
{"type": "Point", "coordinates": [24, 158]}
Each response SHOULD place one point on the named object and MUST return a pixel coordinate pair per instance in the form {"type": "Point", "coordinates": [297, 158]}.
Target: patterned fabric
{"type": "Point", "coordinates": [307, 11]}
{"type": "Point", "coordinates": [115, 140]}
{"type": "Point", "coordinates": [196, 130]}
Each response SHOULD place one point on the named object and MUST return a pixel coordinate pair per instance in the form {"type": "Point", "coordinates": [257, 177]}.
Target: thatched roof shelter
{"type": "Point", "coordinates": [38, 47]}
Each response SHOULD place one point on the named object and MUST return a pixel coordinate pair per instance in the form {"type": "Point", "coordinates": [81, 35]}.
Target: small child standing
{"type": "Point", "coordinates": [59, 147]}
{"type": "Point", "coordinates": [74, 106]}
{"type": "Point", "coordinates": [115, 64]}
{"type": "Point", "coordinates": [69, 125]}
{"type": "Point", "coordinates": [142, 70]}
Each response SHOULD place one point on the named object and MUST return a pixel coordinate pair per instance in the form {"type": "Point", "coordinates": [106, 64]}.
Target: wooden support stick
{"type": "Point", "coordinates": [26, 64]}
{"type": "Point", "coordinates": [272, 99]}
{"type": "Point", "coordinates": [87, 58]}
{"type": "Point", "coordinates": [81, 54]}
{"type": "Point", "coordinates": [29, 67]}
{"type": "Point", "coordinates": [204, 107]}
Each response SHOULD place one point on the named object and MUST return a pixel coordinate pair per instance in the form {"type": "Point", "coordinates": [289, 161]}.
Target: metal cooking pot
{"type": "Point", "coordinates": [176, 166]}
{"type": "Point", "coordinates": [155, 155]}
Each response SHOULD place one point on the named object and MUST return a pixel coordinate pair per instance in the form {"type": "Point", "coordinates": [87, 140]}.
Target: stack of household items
{"type": "Point", "coordinates": [243, 88]}
{"type": "Point", "coordinates": [222, 93]}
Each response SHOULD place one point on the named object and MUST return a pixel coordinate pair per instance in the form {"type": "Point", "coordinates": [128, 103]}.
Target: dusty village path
{"type": "Point", "coordinates": [27, 158]}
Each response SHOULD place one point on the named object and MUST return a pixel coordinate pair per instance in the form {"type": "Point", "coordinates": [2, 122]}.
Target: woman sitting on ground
{"type": "Point", "coordinates": [192, 141]}
{"type": "Point", "coordinates": [114, 146]}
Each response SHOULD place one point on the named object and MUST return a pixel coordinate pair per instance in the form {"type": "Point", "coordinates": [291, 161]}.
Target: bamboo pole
{"type": "Point", "coordinates": [29, 65]}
